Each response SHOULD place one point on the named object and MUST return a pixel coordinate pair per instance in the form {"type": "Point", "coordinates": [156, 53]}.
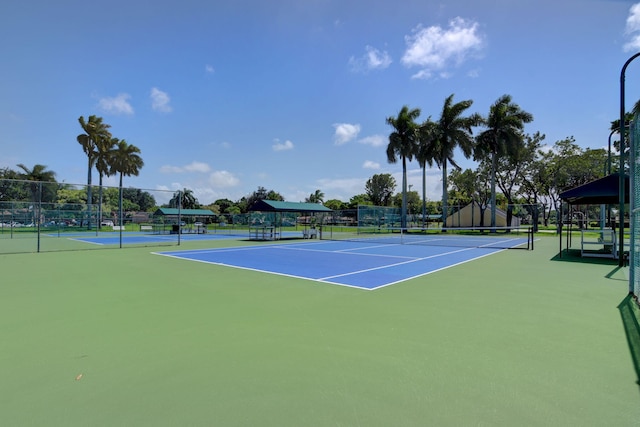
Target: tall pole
{"type": "Point", "coordinates": [608, 168]}
{"type": "Point", "coordinates": [621, 189]}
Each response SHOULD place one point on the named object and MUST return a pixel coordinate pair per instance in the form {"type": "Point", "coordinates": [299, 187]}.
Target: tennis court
{"type": "Point", "coordinates": [127, 337]}
{"type": "Point", "coordinates": [360, 264]}
{"type": "Point", "coordinates": [135, 238]}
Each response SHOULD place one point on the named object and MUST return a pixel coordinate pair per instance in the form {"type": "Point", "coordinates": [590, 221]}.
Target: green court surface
{"type": "Point", "coordinates": [124, 337]}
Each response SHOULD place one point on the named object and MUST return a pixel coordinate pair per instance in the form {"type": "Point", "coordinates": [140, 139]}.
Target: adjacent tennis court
{"type": "Point", "coordinates": [363, 265]}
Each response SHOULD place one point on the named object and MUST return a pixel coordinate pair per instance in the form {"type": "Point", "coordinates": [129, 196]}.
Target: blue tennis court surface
{"type": "Point", "coordinates": [354, 264]}
{"type": "Point", "coordinates": [135, 238]}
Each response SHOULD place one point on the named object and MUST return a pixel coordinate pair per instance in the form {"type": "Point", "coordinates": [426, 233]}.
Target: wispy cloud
{"type": "Point", "coordinates": [116, 105]}
{"type": "Point", "coordinates": [368, 164]}
{"type": "Point", "coordinates": [194, 166]}
{"type": "Point", "coordinates": [160, 101]}
{"type": "Point", "coordinates": [434, 49]}
{"type": "Point", "coordinates": [345, 132]}
{"type": "Point", "coordinates": [223, 179]}
{"type": "Point", "coordinates": [633, 28]}
{"type": "Point", "coordinates": [372, 59]}
{"type": "Point", "coordinates": [209, 69]}
{"type": "Point", "coordinates": [373, 140]}
{"type": "Point", "coordinates": [282, 146]}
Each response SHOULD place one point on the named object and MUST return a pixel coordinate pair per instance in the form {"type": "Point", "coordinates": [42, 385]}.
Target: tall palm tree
{"type": "Point", "coordinates": [428, 134]}
{"type": "Point", "coordinates": [38, 176]}
{"type": "Point", "coordinates": [316, 197]}
{"type": "Point", "coordinates": [453, 131]}
{"type": "Point", "coordinates": [103, 157]}
{"type": "Point", "coordinates": [124, 160]}
{"type": "Point", "coordinates": [95, 131]}
{"type": "Point", "coordinates": [402, 145]}
{"type": "Point", "coordinates": [39, 173]}
{"type": "Point", "coordinates": [503, 136]}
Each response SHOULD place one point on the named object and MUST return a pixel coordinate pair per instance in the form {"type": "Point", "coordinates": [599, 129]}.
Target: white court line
{"type": "Point", "coordinates": [394, 265]}
{"type": "Point", "coordinates": [342, 251]}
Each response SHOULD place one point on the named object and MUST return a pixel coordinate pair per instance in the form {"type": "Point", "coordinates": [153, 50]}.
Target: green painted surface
{"type": "Point", "coordinates": [125, 337]}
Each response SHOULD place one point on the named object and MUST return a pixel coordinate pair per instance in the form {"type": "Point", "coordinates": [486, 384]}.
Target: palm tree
{"type": "Point", "coordinates": [453, 131]}
{"type": "Point", "coordinates": [103, 157]}
{"type": "Point", "coordinates": [316, 197]}
{"type": "Point", "coordinates": [95, 132]}
{"type": "Point", "coordinates": [425, 155]}
{"type": "Point", "coordinates": [402, 145]}
{"type": "Point", "coordinates": [503, 136]}
{"type": "Point", "coordinates": [124, 160]}
{"type": "Point", "coordinates": [38, 175]}
{"type": "Point", "coordinates": [184, 199]}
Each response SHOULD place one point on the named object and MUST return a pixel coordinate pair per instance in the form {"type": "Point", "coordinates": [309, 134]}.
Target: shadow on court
{"type": "Point", "coordinates": [630, 314]}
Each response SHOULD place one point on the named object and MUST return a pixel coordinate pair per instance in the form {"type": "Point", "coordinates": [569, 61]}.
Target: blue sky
{"type": "Point", "coordinates": [224, 97]}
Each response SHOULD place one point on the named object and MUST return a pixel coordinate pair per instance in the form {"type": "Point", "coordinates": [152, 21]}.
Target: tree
{"type": "Point", "coordinates": [335, 204]}
{"type": "Point", "coordinates": [413, 202]}
{"type": "Point", "coordinates": [316, 197]}
{"type": "Point", "coordinates": [184, 199]}
{"type": "Point", "coordinates": [380, 188]}
{"type": "Point", "coordinates": [42, 179]}
{"type": "Point", "coordinates": [145, 200]}
{"type": "Point", "coordinates": [503, 136]}
{"type": "Point", "coordinates": [125, 160]}
{"type": "Point", "coordinates": [358, 199]}
{"type": "Point", "coordinates": [472, 186]}
{"type": "Point", "coordinates": [507, 171]}
{"type": "Point", "coordinates": [453, 130]}
{"type": "Point", "coordinates": [261, 194]}
{"type": "Point", "coordinates": [95, 131]}
{"type": "Point", "coordinates": [103, 156]}
{"type": "Point", "coordinates": [428, 135]}
{"type": "Point", "coordinates": [10, 189]}
{"type": "Point", "coordinates": [402, 145]}
{"type": "Point", "coordinates": [224, 204]}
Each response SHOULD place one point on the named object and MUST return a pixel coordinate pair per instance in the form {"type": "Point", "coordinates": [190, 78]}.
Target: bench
{"type": "Point", "coordinates": [309, 234]}
{"type": "Point", "coordinates": [146, 228]}
{"type": "Point", "coordinates": [118, 227]}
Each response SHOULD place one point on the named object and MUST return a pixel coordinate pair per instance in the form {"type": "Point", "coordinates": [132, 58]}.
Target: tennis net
{"type": "Point", "coordinates": [476, 237]}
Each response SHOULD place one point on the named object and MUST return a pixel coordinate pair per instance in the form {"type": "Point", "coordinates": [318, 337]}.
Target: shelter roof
{"type": "Point", "coordinates": [277, 206]}
{"type": "Point", "coordinates": [601, 191]}
{"type": "Point", "coordinates": [184, 212]}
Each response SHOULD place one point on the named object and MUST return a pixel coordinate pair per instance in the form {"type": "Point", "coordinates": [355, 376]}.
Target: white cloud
{"type": "Point", "coordinates": [116, 105]}
{"type": "Point", "coordinates": [633, 28]}
{"type": "Point", "coordinates": [345, 132]}
{"type": "Point", "coordinates": [209, 69]}
{"type": "Point", "coordinates": [341, 189]}
{"type": "Point", "coordinates": [433, 49]}
{"type": "Point", "coordinates": [170, 169]}
{"type": "Point", "coordinates": [374, 140]}
{"type": "Point", "coordinates": [194, 166]}
{"type": "Point", "coordinates": [223, 179]}
{"type": "Point", "coordinates": [160, 101]}
{"type": "Point", "coordinates": [284, 146]}
{"type": "Point", "coordinates": [373, 59]}
{"type": "Point", "coordinates": [368, 164]}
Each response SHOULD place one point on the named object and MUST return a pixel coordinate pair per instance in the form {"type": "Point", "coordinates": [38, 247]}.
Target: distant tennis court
{"type": "Point", "coordinates": [362, 265]}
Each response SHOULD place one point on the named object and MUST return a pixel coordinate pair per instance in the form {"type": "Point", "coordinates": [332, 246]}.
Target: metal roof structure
{"type": "Point", "coordinates": [277, 206]}
{"type": "Point", "coordinates": [603, 191]}
{"type": "Point", "coordinates": [184, 212]}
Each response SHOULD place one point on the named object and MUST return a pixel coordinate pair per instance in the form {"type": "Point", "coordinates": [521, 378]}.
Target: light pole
{"type": "Point", "coordinates": [621, 189]}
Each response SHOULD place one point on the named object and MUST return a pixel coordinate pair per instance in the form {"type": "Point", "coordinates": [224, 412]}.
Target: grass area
{"type": "Point", "coordinates": [125, 337]}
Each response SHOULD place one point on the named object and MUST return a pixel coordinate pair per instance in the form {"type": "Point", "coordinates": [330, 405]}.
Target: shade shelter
{"type": "Point", "coordinates": [269, 226]}
{"type": "Point", "coordinates": [603, 191]}
{"type": "Point", "coordinates": [174, 217]}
